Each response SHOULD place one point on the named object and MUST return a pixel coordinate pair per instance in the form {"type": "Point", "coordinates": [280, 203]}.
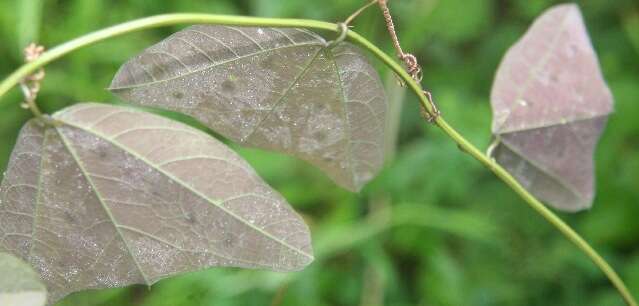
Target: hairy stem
{"type": "Point", "coordinates": [186, 18]}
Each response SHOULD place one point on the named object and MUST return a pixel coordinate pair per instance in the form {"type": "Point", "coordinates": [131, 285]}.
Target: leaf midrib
{"type": "Point", "coordinates": [38, 193]}
{"type": "Point", "coordinates": [544, 170]}
{"type": "Point", "coordinates": [213, 65]}
{"type": "Point", "coordinates": [555, 124]}
{"type": "Point", "coordinates": [281, 99]}
{"type": "Point", "coordinates": [184, 185]}
{"type": "Point", "coordinates": [107, 210]}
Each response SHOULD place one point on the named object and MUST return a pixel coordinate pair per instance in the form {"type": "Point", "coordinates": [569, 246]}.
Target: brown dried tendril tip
{"type": "Point", "coordinates": [429, 116]}
{"type": "Point", "coordinates": [412, 66]}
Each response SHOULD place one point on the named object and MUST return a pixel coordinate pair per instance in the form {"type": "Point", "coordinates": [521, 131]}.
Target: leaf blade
{"type": "Point", "coordinates": [130, 197]}
{"type": "Point", "coordinates": [550, 104]}
{"type": "Point", "coordinates": [539, 73]}
{"type": "Point", "coordinates": [285, 95]}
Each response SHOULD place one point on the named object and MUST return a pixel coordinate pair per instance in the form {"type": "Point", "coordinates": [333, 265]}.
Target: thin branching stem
{"type": "Point", "coordinates": [188, 18]}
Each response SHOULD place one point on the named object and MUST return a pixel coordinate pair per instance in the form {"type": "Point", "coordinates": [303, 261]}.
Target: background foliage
{"type": "Point", "coordinates": [434, 228]}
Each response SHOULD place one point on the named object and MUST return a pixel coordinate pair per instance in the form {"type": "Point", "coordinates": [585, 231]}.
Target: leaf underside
{"type": "Point", "coordinates": [550, 104]}
{"type": "Point", "coordinates": [112, 196]}
{"type": "Point", "coordinates": [279, 89]}
{"type": "Point", "coordinates": [19, 284]}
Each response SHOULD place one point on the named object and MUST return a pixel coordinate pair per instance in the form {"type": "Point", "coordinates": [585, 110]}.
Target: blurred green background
{"type": "Point", "coordinates": [434, 228]}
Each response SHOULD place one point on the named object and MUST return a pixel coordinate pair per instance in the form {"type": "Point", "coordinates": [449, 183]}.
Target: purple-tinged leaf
{"type": "Point", "coordinates": [277, 89]}
{"type": "Point", "coordinates": [550, 104]}
{"type": "Point", "coordinates": [112, 196]}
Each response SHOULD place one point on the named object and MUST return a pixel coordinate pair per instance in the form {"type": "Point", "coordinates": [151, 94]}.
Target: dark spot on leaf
{"type": "Point", "coordinates": [178, 95]}
{"type": "Point", "coordinates": [190, 218]}
{"type": "Point", "coordinates": [103, 153]}
{"type": "Point", "coordinates": [573, 49]}
{"type": "Point", "coordinates": [228, 86]}
{"type": "Point", "coordinates": [69, 217]}
{"type": "Point", "coordinates": [229, 240]}
{"type": "Point", "coordinates": [268, 63]}
{"type": "Point", "coordinates": [319, 136]}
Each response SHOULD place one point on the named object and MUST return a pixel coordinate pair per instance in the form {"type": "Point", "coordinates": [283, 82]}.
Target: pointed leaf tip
{"type": "Point", "coordinates": [550, 104]}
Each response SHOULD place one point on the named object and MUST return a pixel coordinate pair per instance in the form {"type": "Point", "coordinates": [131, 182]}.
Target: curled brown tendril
{"type": "Point", "coordinates": [410, 61]}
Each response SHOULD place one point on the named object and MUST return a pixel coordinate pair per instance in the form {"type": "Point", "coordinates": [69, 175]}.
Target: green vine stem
{"type": "Point", "coordinates": [187, 18]}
